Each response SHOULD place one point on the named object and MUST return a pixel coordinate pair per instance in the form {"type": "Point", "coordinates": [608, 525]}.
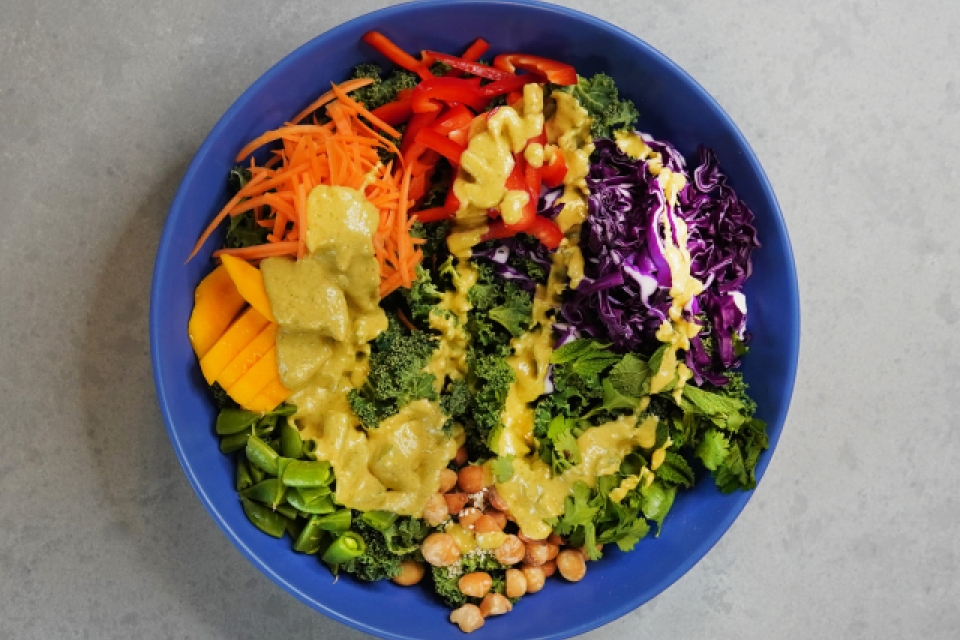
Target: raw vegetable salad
{"type": "Point", "coordinates": [470, 329]}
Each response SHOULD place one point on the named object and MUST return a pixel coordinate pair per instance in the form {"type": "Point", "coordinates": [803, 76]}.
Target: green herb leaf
{"type": "Point", "coordinates": [503, 468]}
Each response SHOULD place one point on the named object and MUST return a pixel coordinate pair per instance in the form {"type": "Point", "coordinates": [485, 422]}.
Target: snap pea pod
{"type": "Point", "coordinates": [380, 520]}
{"type": "Point", "coordinates": [233, 421]}
{"type": "Point", "coordinates": [269, 492]}
{"type": "Point", "coordinates": [310, 495]}
{"type": "Point", "coordinates": [310, 537]}
{"type": "Point", "coordinates": [336, 522]}
{"type": "Point", "coordinates": [306, 474]}
{"type": "Point", "coordinates": [235, 442]}
{"type": "Point", "coordinates": [256, 473]}
{"type": "Point", "coordinates": [291, 444]}
{"type": "Point", "coordinates": [345, 548]}
{"type": "Point", "coordinates": [261, 455]}
{"type": "Point", "coordinates": [244, 479]}
{"type": "Point", "coordinates": [310, 449]}
{"type": "Point", "coordinates": [321, 505]}
{"type": "Point", "coordinates": [294, 527]}
{"type": "Point", "coordinates": [264, 518]}
{"type": "Point", "coordinates": [287, 511]}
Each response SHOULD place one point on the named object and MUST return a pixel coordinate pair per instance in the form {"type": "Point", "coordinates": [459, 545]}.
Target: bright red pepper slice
{"type": "Point", "coordinates": [554, 173]}
{"type": "Point", "coordinates": [396, 112]}
{"type": "Point", "coordinates": [452, 204]}
{"type": "Point", "coordinates": [440, 143]}
{"type": "Point", "coordinates": [511, 83]}
{"type": "Point", "coordinates": [497, 230]}
{"type": "Point", "coordinates": [453, 119]}
{"type": "Point", "coordinates": [429, 93]}
{"type": "Point", "coordinates": [546, 231]}
{"type": "Point", "coordinates": [476, 68]}
{"type": "Point", "coordinates": [473, 53]}
{"type": "Point", "coordinates": [396, 55]}
{"type": "Point", "coordinates": [553, 70]}
{"type": "Point", "coordinates": [409, 149]}
{"type": "Point", "coordinates": [524, 178]}
{"type": "Point", "coordinates": [433, 215]}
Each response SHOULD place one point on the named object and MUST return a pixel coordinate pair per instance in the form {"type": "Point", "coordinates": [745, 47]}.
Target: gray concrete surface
{"type": "Point", "coordinates": [854, 110]}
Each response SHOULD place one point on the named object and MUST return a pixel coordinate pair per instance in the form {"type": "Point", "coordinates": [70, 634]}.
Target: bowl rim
{"type": "Point", "coordinates": [739, 500]}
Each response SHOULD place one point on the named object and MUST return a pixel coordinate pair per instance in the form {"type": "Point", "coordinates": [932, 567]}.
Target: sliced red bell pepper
{"type": "Point", "coordinates": [433, 215]}
{"type": "Point", "coordinates": [498, 230]}
{"type": "Point", "coordinates": [554, 173]}
{"type": "Point", "coordinates": [476, 68]}
{"type": "Point", "coordinates": [428, 95]}
{"type": "Point", "coordinates": [546, 231]}
{"type": "Point", "coordinates": [524, 178]}
{"type": "Point", "coordinates": [418, 185]}
{"type": "Point", "coordinates": [409, 149]}
{"type": "Point", "coordinates": [553, 70]}
{"type": "Point", "coordinates": [396, 55]}
{"type": "Point", "coordinates": [440, 143]}
{"type": "Point", "coordinates": [511, 83]}
{"type": "Point", "coordinates": [473, 53]}
{"type": "Point", "coordinates": [514, 96]}
{"type": "Point", "coordinates": [397, 112]}
{"type": "Point", "coordinates": [453, 119]}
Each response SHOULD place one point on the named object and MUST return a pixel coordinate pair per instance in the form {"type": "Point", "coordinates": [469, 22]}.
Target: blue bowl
{"type": "Point", "coordinates": [673, 107]}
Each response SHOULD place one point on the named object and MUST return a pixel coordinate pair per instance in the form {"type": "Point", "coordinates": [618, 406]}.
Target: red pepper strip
{"type": "Point", "coordinates": [417, 122]}
{"type": "Point", "coordinates": [396, 55]}
{"type": "Point", "coordinates": [553, 70]}
{"type": "Point", "coordinates": [440, 143]}
{"type": "Point", "coordinates": [418, 184]}
{"type": "Point", "coordinates": [429, 93]}
{"type": "Point", "coordinates": [473, 53]}
{"type": "Point", "coordinates": [524, 178]}
{"type": "Point", "coordinates": [514, 96]}
{"type": "Point", "coordinates": [497, 230]}
{"type": "Point", "coordinates": [532, 177]}
{"type": "Point", "coordinates": [433, 215]}
{"type": "Point", "coordinates": [475, 68]}
{"type": "Point", "coordinates": [452, 204]}
{"type": "Point", "coordinates": [453, 119]}
{"type": "Point", "coordinates": [397, 112]}
{"type": "Point", "coordinates": [512, 83]}
{"type": "Point", "coordinates": [554, 173]}
{"type": "Point", "coordinates": [546, 231]}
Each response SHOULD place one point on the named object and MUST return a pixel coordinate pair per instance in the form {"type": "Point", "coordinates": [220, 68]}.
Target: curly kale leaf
{"type": "Point", "coordinates": [384, 88]}
{"type": "Point", "coordinates": [386, 546]}
{"type": "Point", "coordinates": [600, 97]}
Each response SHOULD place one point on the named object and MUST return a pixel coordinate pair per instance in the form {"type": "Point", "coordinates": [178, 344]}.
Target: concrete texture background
{"type": "Point", "coordinates": [853, 109]}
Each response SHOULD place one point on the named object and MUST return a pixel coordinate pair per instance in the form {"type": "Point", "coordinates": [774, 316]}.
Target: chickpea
{"type": "Point", "coordinates": [476, 584]}
{"type": "Point", "coordinates": [511, 551]}
{"type": "Point", "coordinates": [435, 511]}
{"type": "Point", "coordinates": [557, 540]}
{"type": "Point", "coordinates": [535, 578]}
{"type": "Point", "coordinates": [526, 538]}
{"type": "Point", "coordinates": [410, 573]}
{"type": "Point", "coordinates": [536, 554]}
{"type": "Point", "coordinates": [496, 501]}
{"type": "Point", "coordinates": [468, 517]}
{"type": "Point", "coordinates": [460, 458]}
{"type": "Point", "coordinates": [440, 550]}
{"type": "Point", "coordinates": [499, 516]}
{"type": "Point", "coordinates": [470, 479]}
{"type": "Point", "coordinates": [494, 604]}
{"type": "Point", "coordinates": [486, 524]}
{"type": "Point", "coordinates": [448, 480]}
{"type": "Point", "coordinates": [549, 568]}
{"type": "Point", "coordinates": [467, 617]}
{"type": "Point", "coordinates": [516, 583]}
{"type": "Point", "coordinates": [552, 551]}
{"type": "Point", "coordinates": [571, 565]}
{"type": "Point", "coordinates": [455, 502]}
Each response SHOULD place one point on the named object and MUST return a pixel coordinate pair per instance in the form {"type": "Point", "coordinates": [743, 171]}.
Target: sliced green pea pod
{"type": "Point", "coordinates": [287, 511]}
{"type": "Point", "coordinates": [261, 455]}
{"type": "Point", "coordinates": [307, 474]}
{"type": "Point", "coordinates": [336, 522]}
{"type": "Point", "coordinates": [282, 465]}
{"type": "Point", "coordinates": [266, 426]}
{"type": "Point", "coordinates": [310, 449]}
{"type": "Point", "coordinates": [264, 518]}
{"type": "Point", "coordinates": [270, 492]}
{"type": "Point", "coordinates": [233, 443]}
{"type": "Point", "coordinates": [291, 444]}
{"type": "Point", "coordinates": [286, 410]}
{"type": "Point", "coordinates": [294, 527]}
{"type": "Point", "coordinates": [244, 479]}
{"type": "Point", "coordinates": [322, 505]}
{"type": "Point", "coordinates": [233, 421]}
{"type": "Point", "coordinates": [310, 537]}
{"type": "Point", "coordinates": [312, 495]}
{"type": "Point", "coordinates": [256, 473]}
{"type": "Point", "coordinates": [380, 520]}
{"type": "Point", "coordinates": [345, 548]}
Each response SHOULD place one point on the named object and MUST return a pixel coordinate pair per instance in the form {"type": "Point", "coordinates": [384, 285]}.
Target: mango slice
{"type": "Point", "coordinates": [264, 343]}
{"type": "Point", "coordinates": [270, 396]}
{"type": "Point", "coordinates": [249, 282]}
{"type": "Point", "coordinates": [254, 380]}
{"type": "Point", "coordinates": [241, 333]}
{"type": "Point", "coordinates": [216, 303]}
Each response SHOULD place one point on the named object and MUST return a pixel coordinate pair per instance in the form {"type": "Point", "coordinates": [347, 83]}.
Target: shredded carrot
{"type": "Point", "coordinates": [342, 152]}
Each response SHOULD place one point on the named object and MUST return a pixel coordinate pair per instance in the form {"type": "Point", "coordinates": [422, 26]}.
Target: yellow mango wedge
{"type": "Point", "coordinates": [264, 343]}
{"type": "Point", "coordinates": [241, 333]}
{"type": "Point", "coordinates": [254, 380]}
{"type": "Point", "coordinates": [270, 396]}
{"type": "Point", "coordinates": [249, 282]}
{"type": "Point", "coordinates": [216, 303]}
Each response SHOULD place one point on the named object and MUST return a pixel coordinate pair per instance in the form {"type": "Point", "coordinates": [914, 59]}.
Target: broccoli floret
{"type": "Point", "coordinates": [423, 296]}
{"type": "Point", "coordinates": [599, 96]}
{"type": "Point", "coordinates": [396, 374]}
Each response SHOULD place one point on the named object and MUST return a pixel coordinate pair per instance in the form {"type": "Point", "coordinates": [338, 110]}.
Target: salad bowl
{"type": "Point", "coordinates": [673, 107]}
